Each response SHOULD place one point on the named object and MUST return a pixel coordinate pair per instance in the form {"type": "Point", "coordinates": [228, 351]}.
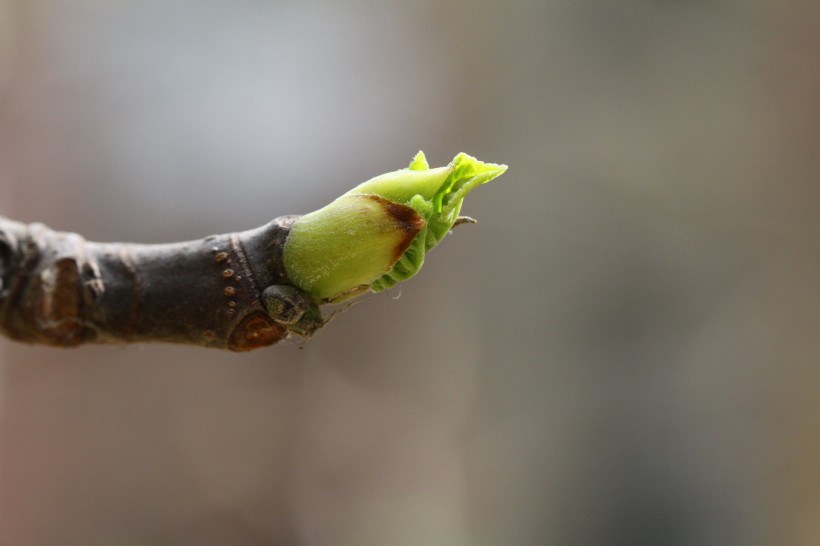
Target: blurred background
{"type": "Point", "coordinates": [624, 351]}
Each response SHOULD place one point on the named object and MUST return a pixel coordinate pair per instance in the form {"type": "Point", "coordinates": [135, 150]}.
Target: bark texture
{"type": "Point", "coordinates": [58, 289]}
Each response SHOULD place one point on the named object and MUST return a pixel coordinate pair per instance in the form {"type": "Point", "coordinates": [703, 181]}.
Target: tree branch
{"type": "Point", "coordinates": [239, 291]}
{"type": "Point", "coordinates": [59, 289]}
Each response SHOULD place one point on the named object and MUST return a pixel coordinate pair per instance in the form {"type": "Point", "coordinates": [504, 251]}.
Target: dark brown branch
{"type": "Point", "coordinates": [59, 289]}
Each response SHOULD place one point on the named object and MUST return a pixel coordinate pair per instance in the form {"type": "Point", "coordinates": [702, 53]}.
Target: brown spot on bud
{"type": "Point", "coordinates": [228, 273]}
{"type": "Point", "coordinates": [230, 291]}
{"type": "Point", "coordinates": [220, 257]}
{"type": "Point", "coordinates": [406, 217]}
{"type": "Point", "coordinates": [408, 221]}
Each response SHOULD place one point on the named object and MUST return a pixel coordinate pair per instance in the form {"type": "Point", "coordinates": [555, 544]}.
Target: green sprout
{"type": "Point", "coordinates": [378, 233]}
{"type": "Point", "coordinates": [370, 238]}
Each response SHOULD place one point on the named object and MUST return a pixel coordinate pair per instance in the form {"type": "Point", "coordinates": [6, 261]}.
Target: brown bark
{"type": "Point", "coordinates": [59, 289]}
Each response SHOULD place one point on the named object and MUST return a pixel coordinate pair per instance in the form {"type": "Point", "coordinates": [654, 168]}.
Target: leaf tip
{"type": "Point", "coordinates": [419, 162]}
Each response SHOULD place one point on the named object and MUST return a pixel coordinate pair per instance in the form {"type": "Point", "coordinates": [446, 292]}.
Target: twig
{"type": "Point", "coordinates": [238, 291]}
{"type": "Point", "coordinates": [59, 289]}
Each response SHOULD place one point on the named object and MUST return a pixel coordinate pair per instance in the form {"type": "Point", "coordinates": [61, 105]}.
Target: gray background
{"type": "Point", "coordinates": [623, 351]}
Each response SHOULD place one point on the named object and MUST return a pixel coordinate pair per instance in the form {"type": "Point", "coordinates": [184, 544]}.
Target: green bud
{"type": "Point", "coordinates": [378, 233]}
